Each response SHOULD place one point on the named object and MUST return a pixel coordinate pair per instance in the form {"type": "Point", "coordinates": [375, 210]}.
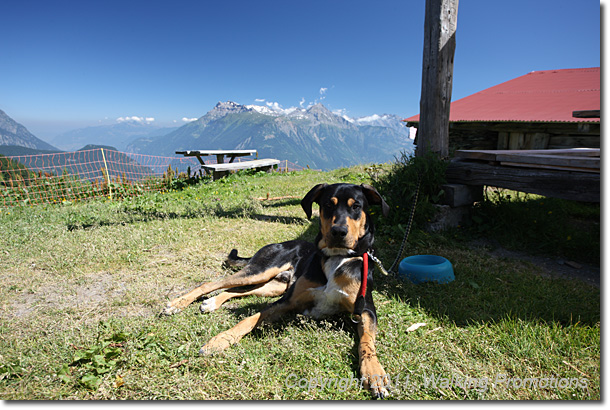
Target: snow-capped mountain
{"type": "Point", "coordinates": [317, 112]}
{"type": "Point", "coordinates": [314, 136]}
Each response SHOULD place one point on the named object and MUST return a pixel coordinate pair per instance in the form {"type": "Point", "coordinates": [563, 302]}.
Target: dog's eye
{"type": "Point", "coordinates": [356, 206]}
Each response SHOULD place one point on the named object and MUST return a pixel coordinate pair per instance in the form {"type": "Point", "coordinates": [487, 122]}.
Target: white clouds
{"type": "Point", "coordinates": [274, 106]}
{"type": "Point", "coordinates": [184, 119]}
{"type": "Point", "coordinates": [323, 91]}
{"type": "Point", "coordinates": [141, 120]}
{"type": "Point", "coordinates": [304, 103]}
{"type": "Point", "coordinates": [370, 118]}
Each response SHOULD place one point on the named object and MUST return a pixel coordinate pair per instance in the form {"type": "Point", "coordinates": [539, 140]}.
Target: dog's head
{"type": "Point", "coordinates": [345, 224]}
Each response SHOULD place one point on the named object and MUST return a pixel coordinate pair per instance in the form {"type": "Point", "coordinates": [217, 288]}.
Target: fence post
{"type": "Point", "coordinates": [107, 175]}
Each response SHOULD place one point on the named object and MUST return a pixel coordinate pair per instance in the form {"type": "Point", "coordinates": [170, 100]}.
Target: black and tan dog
{"type": "Point", "coordinates": [318, 279]}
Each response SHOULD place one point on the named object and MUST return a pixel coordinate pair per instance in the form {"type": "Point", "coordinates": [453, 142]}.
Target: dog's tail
{"type": "Point", "coordinates": [236, 261]}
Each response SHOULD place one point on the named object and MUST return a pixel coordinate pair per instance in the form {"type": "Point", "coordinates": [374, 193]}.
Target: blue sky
{"type": "Point", "coordinates": [69, 64]}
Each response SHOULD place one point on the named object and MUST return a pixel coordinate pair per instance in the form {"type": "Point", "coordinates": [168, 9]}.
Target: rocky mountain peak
{"type": "Point", "coordinates": [13, 133]}
{"type": "Point", "coordinates": [220, 110]}
{"type": "Point", "coordinates": [228, 105]}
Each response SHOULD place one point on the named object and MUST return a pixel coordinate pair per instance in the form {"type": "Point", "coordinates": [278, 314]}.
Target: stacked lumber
{"type": "Point", "coordinates": [572, 174]}
{"type": "Point", "coordinates": [573, 159]}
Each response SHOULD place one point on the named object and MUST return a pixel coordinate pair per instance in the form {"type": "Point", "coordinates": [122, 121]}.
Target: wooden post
{"type": "Point", "coordinates": [437, 76]}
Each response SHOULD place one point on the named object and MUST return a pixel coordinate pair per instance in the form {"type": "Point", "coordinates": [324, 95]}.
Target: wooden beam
{"type": "Point", "coordinates": [551, 166]}
{"type": "Point", "coordinates": [440, 25]}
{"type": "Point", "coordinates": [492, 155]}
{"type": "Point", "coordinates": [576, 186]}
{"type": "Point", "coordinates": [551, 160]}
{"type": "Point", "coordinates": [586, 114]}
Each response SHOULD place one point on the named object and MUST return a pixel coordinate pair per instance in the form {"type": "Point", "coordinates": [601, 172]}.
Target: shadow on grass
{"type": "Point", "coordinates": [490, 290]}
{"type": "Point", "coordinates": [130, 216]}
{"type": "Point", "coordinates": [281, 203]}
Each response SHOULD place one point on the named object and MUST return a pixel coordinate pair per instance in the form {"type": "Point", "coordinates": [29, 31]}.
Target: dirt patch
{"type": "Point", "coordinates": [83, 293]}
{"type": "Point", "coordinates": [553, 267]}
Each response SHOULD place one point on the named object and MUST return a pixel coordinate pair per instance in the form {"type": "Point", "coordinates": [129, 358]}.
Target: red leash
{"type": "Point", "coordinates": [359, 304]}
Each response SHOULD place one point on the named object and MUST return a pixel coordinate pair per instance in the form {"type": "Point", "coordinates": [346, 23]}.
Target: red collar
{"type": "Point", "coordinates": [359, 304]}
{"type": "Point", "coordinates": [365, 273]}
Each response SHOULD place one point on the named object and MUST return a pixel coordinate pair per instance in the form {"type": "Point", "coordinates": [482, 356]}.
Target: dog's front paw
{"type": "Point", "coordinates": [169, 310]}
{"type": "Point", "coordinates": [375, 379]}
{"type": "Point", "coordinates": [175, 306]}
{"type": "Point", "coordinates": [208, 305]}
{"type": "Point", "coordinates": [378, 385]}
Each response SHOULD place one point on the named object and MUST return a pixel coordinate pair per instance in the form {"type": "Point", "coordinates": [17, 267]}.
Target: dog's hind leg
{"type": "Point", "coordinates": [244, 277]}
{"type": "Point", "coordinates": [296, 299]}
{"type": "Point", "coordinates": [270, 289]}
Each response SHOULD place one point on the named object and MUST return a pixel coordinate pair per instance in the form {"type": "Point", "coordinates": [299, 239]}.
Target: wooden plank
{"type": "Point", "coordinates": [538, 140]}
{"type": "Point", "coordinates": [586, 114]}
{"type": "Point", "coordinates": [571, 141]}
{"type": "Point", "coordinates": [232, 166]}
{"type": "Point", "coordinates": [516, 141]}
{"type": "Point", "coordinates": [546, 166]}
{"type": "Point", "coordinates": [550, 160]}
{"type": "Point", "coordinates": [229, 152]}
{"type": "Point", "coordinates": [577, 186]}
{"type": "Point", "coordinates": [577, 152]}
{"type": "Point", "coordinates": [490, 155]}
{"type": "Point", "coordinates": [502, 140]}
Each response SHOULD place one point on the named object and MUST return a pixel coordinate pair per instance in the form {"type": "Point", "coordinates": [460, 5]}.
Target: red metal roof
{"type": "Point", "coordinates": [540, 96]}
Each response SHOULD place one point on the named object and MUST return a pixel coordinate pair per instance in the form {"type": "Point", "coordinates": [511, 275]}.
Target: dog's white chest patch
{"type": "Point", "coordinates": [327, 298]}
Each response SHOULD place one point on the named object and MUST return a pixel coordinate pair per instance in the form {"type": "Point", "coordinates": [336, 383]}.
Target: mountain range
{"type": "Point", "coordinates": [117, 135]}
{"type": "Point", "coordinates": [314, 137]}
{"type": "Point", "coordinates": [13, 133]}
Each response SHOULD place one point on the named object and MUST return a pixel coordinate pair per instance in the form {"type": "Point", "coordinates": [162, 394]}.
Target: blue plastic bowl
{"type": "Point", "coordinates": [426, 268]}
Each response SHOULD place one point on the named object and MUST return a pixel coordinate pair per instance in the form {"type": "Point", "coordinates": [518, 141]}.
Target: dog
{"type": "Point", "coordinates": [314, 279]}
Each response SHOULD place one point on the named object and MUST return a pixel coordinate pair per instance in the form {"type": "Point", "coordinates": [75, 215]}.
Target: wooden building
{"type": "Point", "coordinates": [553, 109]}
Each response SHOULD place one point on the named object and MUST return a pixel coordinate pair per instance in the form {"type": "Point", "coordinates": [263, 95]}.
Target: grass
{"type": "Point", "coordinates": [81, 286]}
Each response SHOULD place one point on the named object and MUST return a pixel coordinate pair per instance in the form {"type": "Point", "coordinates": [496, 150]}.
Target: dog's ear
{"type": "Point", "coordinates": [375, 198]}
{"type": "Point", "coordinates": [312, 196]}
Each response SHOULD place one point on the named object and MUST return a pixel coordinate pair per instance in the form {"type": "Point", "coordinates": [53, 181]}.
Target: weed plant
{"type": "Point", "coordinates": [399, 187]}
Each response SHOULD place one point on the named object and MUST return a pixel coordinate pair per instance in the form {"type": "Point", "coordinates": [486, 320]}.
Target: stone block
{"type": "Point", "coordinates": [457, 195]}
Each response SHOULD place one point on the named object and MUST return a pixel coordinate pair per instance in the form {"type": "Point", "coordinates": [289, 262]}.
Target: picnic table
{"type": "Point", "coordinates": [220, 154]}
{"type": "Point", "coordinates": [222, 168]}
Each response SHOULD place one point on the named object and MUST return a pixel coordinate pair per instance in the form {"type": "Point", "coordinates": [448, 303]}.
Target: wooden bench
{"type": "Point", "coordinates": [220, 170]}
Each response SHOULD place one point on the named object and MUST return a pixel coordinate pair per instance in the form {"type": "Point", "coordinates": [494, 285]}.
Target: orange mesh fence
{"type": "Point", "coordinates": [81, 175]}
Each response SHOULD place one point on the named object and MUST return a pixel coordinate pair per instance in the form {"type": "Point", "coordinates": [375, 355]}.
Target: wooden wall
{"type": "Point", "coordinates": [521, 135]}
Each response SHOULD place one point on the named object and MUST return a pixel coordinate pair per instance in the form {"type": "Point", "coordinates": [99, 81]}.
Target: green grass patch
{"type": "Point", "coordinates": [81, 286]}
